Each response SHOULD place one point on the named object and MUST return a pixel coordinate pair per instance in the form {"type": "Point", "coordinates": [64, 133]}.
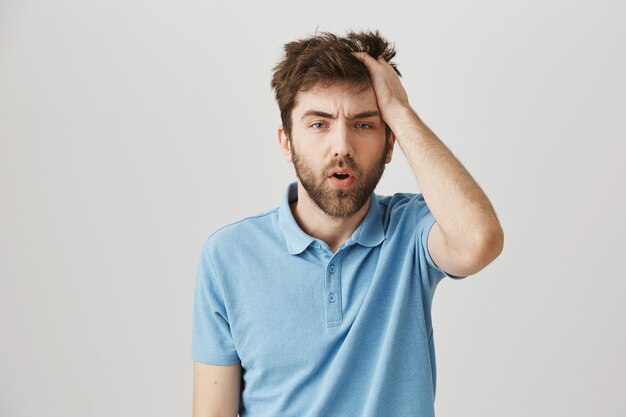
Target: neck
{"type": "Point", "coordinates": [314, 222]}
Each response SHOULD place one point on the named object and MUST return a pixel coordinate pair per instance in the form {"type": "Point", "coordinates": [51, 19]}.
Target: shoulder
{"type": "Point", "coordinates": [246, 230]}
{"type": "Point", "coordinates": [402, 204]}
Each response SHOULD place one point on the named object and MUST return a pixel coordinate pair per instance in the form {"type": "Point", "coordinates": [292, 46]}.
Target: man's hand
{"type": "Point", "coordinates": [391, 96]}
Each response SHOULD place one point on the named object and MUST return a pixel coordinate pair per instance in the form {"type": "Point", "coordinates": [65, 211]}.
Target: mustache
{"type": "Point", "coordinates": [343, 163]}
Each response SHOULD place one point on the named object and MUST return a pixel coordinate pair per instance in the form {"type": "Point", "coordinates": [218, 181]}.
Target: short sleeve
{"type": "Point", "coordinates": [211, 338]}
{"type": "Point", "coordinates": [425, 223]}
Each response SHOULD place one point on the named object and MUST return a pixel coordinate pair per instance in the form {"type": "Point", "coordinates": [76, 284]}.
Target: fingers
{"type": "Point", "coordinates": [365, 58]}
{"type": "Point", "coordinates": [372, 64]}
{"type": "Point", "coordinates": [385, 80]}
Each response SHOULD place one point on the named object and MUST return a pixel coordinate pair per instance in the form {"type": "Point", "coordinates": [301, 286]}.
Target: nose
{"type": "Point", "coordinates": [342, 143]}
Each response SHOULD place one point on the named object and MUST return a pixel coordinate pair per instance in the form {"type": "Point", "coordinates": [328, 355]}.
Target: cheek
{"type": "Point", "coordinates": [309, 154]}
{"type": "Point", "coordinates": [376, 150]}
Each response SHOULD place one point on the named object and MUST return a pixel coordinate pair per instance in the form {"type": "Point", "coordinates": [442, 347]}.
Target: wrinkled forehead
{"type": "Point", "coordinates": [346, 86]}
{"type": "Point", "coordinates": [328, 96]}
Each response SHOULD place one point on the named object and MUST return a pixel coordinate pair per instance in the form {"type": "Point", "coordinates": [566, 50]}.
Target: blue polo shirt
{"type": "Point", "coordinates": [320, 333]}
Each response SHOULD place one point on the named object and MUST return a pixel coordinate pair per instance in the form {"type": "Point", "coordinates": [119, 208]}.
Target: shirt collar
{"type": "Point", "coordinates": [369, 233]}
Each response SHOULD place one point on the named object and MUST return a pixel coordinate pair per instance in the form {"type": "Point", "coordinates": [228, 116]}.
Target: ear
{"type": "Point", "coordinates": [284, 143]}
{"type": "Point", "coordinates": [389, 143]}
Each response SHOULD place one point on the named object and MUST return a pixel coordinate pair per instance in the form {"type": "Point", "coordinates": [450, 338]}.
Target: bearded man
{"type": "Point", "coordinates": [322, 306]}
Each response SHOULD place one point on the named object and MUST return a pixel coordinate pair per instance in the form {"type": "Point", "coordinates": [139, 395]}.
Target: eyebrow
{"type": "Point", "coordinates": [362, 115]}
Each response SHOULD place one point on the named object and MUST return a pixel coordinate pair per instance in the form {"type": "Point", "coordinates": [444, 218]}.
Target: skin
{"type": "Point", "coordinates": [465, 238]}
{"type": "Point", "coordinates": [216, 390]}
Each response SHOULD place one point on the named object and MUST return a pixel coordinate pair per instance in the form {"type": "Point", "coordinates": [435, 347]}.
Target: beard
{"type": "Point", "coordinates": [338, 202]}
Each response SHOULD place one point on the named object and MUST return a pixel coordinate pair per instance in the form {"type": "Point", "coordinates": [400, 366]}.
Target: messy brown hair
{"type": "Point", "coordinates": [325, 58]}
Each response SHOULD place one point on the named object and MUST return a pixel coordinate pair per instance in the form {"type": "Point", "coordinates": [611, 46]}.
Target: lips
{"type": "Point", "coordinates": [341, 173]}
{"type": "Point", "coordinates": [341, 178]}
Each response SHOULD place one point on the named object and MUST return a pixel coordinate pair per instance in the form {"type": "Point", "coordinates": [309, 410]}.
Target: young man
{"type": "Point", "coordinates": [321, 307]}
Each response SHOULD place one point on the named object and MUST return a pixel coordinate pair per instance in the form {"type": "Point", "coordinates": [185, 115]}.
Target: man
{"type": "Point", "coordinates": [321, 307]}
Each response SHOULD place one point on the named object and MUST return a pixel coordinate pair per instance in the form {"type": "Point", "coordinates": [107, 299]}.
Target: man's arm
{"type": "Point", "coordinates": [216, 390]}
{"type": "Point", "coordinates": [467, 235]}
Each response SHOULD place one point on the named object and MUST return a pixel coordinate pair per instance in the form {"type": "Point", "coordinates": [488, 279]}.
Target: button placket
{"type": "Point", "coordinates": [332, 299]}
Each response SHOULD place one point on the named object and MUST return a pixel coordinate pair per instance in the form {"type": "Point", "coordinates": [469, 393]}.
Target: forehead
{"type": "Point", "coordinates": [336, 98]}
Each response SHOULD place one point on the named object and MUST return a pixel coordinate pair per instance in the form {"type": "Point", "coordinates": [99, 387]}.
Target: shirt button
{"type": "Point", "coordinates": [317, 245]}
{"type": "Point", "coordinates": [331, 269]}
{"type": "Point", "coordinates": [331, 297]}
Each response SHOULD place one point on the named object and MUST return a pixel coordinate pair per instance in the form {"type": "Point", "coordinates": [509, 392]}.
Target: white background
{"type": "Point", "coordinates": [130, 130]}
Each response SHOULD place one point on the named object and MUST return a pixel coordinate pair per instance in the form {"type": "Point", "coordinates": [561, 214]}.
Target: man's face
{"type": "Point", "coordinates": [338, 146]}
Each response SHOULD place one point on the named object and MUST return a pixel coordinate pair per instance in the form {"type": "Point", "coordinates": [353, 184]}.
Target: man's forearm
{"type": "Point", "coordinates": [467, 220]}
{"type": "Point", "coordinates": [458, 204]}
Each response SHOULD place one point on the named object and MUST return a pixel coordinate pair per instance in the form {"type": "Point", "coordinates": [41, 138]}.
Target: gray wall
{"type": "Point", "coordinates": [130, 130]}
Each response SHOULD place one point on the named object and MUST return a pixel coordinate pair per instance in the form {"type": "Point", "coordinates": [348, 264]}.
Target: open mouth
{"type": "Point", "coordinates": [341, 179]}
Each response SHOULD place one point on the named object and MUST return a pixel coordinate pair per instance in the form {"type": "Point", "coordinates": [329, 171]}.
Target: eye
{"type": "Point", "coordinates": [317, 125]}
{"type": "Point", "coordinates": [362, 125]}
